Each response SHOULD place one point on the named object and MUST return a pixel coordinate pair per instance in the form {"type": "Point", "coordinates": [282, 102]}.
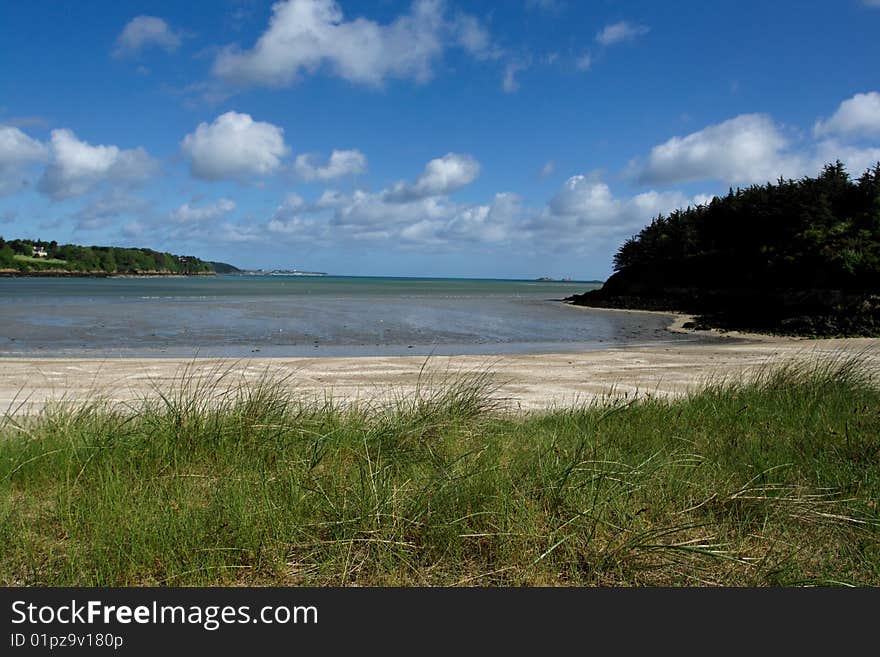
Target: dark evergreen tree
{"type": "Point", "coordinates": [773, 256]}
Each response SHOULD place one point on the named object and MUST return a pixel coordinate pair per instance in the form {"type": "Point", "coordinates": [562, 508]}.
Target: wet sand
{"type": "Point", "coordinates": [525, 381]}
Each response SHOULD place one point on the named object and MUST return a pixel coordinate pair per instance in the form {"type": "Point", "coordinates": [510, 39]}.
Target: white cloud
{"type": "Point", "coordinates": [107, 209]}
{"type": "Point", "coordinates": [746, 149]}
{"type": "Point", "coordinates": [585, 196]}
{"type": "Point", "coordinates": [230, 233]}
{"type": "Point", "coordinates": [133, 230]}
{"type": "Point", "coordinates": [296, 227]}
{"type": "Point", "coordinates": [619, 32]}
{"type": "Point", "coordinates": [585, 210]}
{"type": "Point", "coordinates": [509, 82]}
{"type": "Point", "coordinates": [752, 148]}
{"type": "Point", "coordinates": [857, 160]}
{"type": "Point", "coordinates": [441, 176]}
{"type": "Point", "coordinates": [363, 216]}
{"type": "Point", "coordinates": [365, 208]}
{"type": "Point", "coordinates": [234, 146]}
{"type": "Point", "coordinates": [17, 152]}
{"type": "Point", "coordinates": [405, 212]}
{"type": "Point", "coordinates": [290, 220]}
{"type": "Point", "coordinates": [340, 164]}
{"type": "Point", "coordinates": [307, 35]}
{"type": "Point", "coordinates": [470, 34]}
{"type": "Point", "coordinates": [145, 31]}
{"type": "Point", "coordinates": [189, 213]}
{"type": "Point", "coordinates": [293, 203]}
{"type": "Point", "coordinates": [76, 167]}
{"type": "Point", "coordinates": [547, 170]}
{"type": "Point", "coordinates": [494, 223]}
{"type": "Point", "coordinates": [858, 116]}
{"type": "Point", "coordinates": [584, 62]}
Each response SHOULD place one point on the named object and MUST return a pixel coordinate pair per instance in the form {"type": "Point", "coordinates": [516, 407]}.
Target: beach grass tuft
{"type": "Point", "coordinates": [774, 480]}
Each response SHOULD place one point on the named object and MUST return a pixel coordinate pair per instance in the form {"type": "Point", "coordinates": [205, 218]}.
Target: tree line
{"type": "Point", "coordinates": [801, 255]}
{"type": "Point", "coordinates": [17, 254]}
{"type": "Point", "coordinates": [822, 231]}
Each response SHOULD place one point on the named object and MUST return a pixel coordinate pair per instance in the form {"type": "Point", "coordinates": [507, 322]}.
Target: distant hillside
{"type": "Point", "coordinates": [38, 257]}
{"type": "Point", "coordinates": [224, 268]}
{"type": "Point", "coordinates": [799, 257]}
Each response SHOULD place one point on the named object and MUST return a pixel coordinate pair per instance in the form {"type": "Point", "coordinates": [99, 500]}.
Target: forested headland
{"type": "Point", "coordinates": [794, 257]}
{"type": "Point", "coordinates": [41, 258]}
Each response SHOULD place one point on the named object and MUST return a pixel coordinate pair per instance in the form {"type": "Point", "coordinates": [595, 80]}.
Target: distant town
{"type": "Point", "coordinates": [279, 272]}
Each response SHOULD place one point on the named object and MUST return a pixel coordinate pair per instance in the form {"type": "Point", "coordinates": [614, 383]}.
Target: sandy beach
{"type": "Point", "coordinates": [525, 381]}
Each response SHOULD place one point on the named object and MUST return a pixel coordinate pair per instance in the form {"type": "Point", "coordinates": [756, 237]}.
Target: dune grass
{"type": "Point", "coordinates": [774, 481]}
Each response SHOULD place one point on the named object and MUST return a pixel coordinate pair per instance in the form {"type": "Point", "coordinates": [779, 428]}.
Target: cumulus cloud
{"type": "Point", "coordinates": [404, 212]}
{"type": "Point", "coordinates": [76, 167]}
{"type": "Point", "coordinates": [17, 152]}
{"type": "Point", "coordinates": [547, 170]}
{"type": "Point", "coordinates": [858, 116]}
{"type": "Point", "coordinates": [293, 205]}
{"type": "Point", "coordinates": [583, 195]}
{"type": "Point", "coordinates": [422, 214]}
{"type": "Point", "coordinates": [339, 165]}
{"type": "Point", "coordinates": [752, 148]}
{"type": "Point", "coordinates": [441, 176]}
{"type": "Point", "coordinates": [292, 221]}
{"type": "Point", "coordinates": [619, 32]}
{"type": "Point", "coordinates": [584, 209]}
{"type": "Point", "coordinates": [856, 159]}
{"type": "Point", "coordinates": [189, 213]}
{"type": "Point", "coordinates": [108, 209]}
{"type": "Point", "coordinates": [235, 147]}
{"type": "Point", "coordinates": [365, 216]}
{"type": "Point", "coordinates": [144, 32]}
{"type": "Point", "coordinates": [746, 149]}
{"type": "Point", "coordinates": [307, 35]}
{"type": "Point", "coordinates": [494, 223]}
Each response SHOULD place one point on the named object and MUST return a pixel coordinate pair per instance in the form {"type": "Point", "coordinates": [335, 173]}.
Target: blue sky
{"type": "Point", "coordinates": [516, 139]}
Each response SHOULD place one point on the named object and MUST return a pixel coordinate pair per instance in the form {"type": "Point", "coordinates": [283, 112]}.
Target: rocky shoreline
{"type": "Point", "coordinates": [789, 311]}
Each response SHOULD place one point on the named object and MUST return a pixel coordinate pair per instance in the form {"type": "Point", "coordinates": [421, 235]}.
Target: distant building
{"type": "Point", "coordinates": [40, 252]}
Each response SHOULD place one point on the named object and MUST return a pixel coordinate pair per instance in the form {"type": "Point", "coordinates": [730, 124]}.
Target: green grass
{"type": "Point", "coordinates": [771, 482]}
{"type": "Point", "coordinates": [39, 261]}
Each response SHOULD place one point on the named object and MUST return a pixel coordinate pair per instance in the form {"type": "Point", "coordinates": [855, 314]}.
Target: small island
{"type": "Point", "coordinates": [798, 257]}
{"type": "Point", "coordinates": [50, 259]}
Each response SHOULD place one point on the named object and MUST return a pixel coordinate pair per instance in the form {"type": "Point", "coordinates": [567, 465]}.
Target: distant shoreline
{"type": "Point", "coordinates": [678, 321]}
{"type": "Point", "coordinates": [13, 273]}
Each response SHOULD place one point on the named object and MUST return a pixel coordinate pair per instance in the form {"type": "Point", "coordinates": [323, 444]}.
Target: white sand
{"type": "Point", "coordinates": [524, 381]}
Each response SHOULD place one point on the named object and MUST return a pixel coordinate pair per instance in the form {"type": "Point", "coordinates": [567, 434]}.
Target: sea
{"type": "Point", "coordinates": [239, 316]}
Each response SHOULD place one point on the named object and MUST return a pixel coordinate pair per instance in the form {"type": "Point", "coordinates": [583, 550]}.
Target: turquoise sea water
{"type": "Point", "coordinates": [238, 316]}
